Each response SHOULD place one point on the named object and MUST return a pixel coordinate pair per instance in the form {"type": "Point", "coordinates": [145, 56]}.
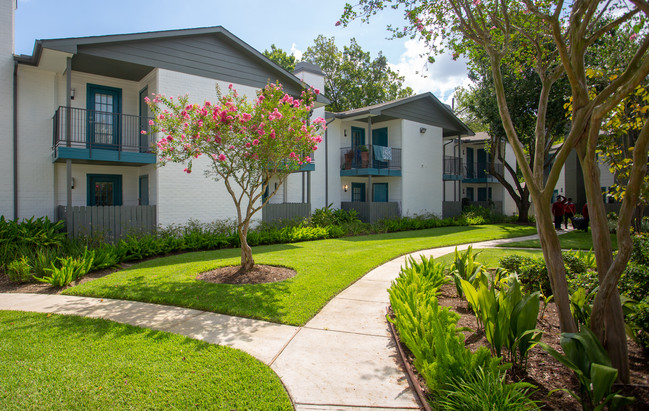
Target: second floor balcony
{"type": "Point", "coordinates": [95, 136]}
{"type": "Point", "coordinates": [455, 168]}
{"type": "Point", "coordinates": [370, 160]}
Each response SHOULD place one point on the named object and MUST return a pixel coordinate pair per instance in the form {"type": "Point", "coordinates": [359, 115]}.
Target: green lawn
{"type": "Point", "coordinates": [56, 362]}
{"type": "Point", "coordinates": [575, 240]}
{"type": "Point", "coordinates": [324, 268]}
{"type": "Point", "coordinates": [489, 257]}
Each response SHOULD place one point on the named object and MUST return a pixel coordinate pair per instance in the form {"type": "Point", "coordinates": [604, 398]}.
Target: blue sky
{"type": "Point", "coordinates": [289, 24]}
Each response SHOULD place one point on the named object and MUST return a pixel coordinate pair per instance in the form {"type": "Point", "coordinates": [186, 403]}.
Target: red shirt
{"type": "Point", "coordinates": [569, 208]}
{"type": "Point", "coordinates": [557, 208]}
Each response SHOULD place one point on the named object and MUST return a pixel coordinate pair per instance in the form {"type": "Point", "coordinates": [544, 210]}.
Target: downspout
{"type": "Point", "coordinates": [15, 139]}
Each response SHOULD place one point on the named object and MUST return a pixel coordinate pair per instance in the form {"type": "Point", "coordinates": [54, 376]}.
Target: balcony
{"type": "Point", "coordinates": [452, 168]}
{"type": "Point", "coordinates": [370, 160]}
{"type": "Point", "coordinates": [474, 172]}
{"type": "Point", "coordinates": [478, 172]}
{"type": "Point", "coordinates": [86, 136]}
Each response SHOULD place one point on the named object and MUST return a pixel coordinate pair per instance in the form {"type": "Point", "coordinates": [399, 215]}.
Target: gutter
{"type": "Point", "coordinates": [15, 139]}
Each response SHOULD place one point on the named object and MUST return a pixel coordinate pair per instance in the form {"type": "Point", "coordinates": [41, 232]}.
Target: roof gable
{"type": "Point", "coordinates": [423, 108]}
{"type": "Point", "coordinates": [211, 52]}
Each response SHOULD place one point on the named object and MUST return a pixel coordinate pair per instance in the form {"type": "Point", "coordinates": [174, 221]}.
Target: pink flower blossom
{"type": "Point", "coordinates": [221, 157]}
{"type": "Point", "coordinates": [245, 117]}
{"type": "Point", "coordinates": [169, 138]}
{"type": "Point", "coordinates": [477, 2]}
{"type": "Point", "coordinates": [231, 147]}
{"type": "Point", "coordinates": [143, 132]}
{"type": "Point", "coordinates": [247, 144]}
{"type": "Point", "coordinates": [633, 36]}
{"type": "Point", "coordinates": [188, 171]}
{"type": "Point", "coordinates": [272, 134]}
{"type": "Point", "coordinates": [307, 159]}
{"type": "Point", "coordinates": [147, 100]}
{"type": "Point", "coordinates": [314, 148]}
{"type": "Point", "coordinates": [338, 23]}
{"type": "Point", "coordinates": [255, 142]}
{"type": "Point", "coordinates": [316, 91]}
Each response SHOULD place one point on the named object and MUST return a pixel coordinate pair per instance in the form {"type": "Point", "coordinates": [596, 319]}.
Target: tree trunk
{"type": "Point", "coordinates": [523, 210]}
{"type": "Point", "coordinates": [247, 262]}
{"type": "Point", "coordinates": [637, 221]}
{"type": "Point", "coordinates": [554, 260]}
{"type": "Point", "coordinates": [607, 319]}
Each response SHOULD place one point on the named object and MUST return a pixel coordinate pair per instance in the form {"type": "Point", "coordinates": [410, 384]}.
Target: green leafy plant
{"type": "Point", "coordinates": [465, 267]}
{"type": "Point", "coordinates": [581, 305]}
{"type": "Point", "coordinates": [509, 317]}
{"type": "Point", "coordinates": [586, 357]}
{"type": "Point", "coordinates": [487, 391]}
{"type": "Point", "coordinates": [19, 270]}
{"type": "Point", "coordinates": [70, 269]}
{"type": "Point", "coordinates": [430, 331]}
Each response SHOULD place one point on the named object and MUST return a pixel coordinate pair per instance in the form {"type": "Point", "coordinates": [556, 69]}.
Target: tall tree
{"type": "Point", "coordinates": [281, 58]}
{"type": "Point", "coordinates": [554, 38]}
{"type": "Point", "coordinates": [352, 78]}
{"type": "Point", "coordinates": [521, 92]}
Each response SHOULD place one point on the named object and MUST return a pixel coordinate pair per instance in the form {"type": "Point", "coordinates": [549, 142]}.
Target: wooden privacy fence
{"type": "Point", "coordinates": [285, 211]}
{"type": "Point", "coordinates": [110, 222]}
{"type": "Point", "coordinates": [372, 212]}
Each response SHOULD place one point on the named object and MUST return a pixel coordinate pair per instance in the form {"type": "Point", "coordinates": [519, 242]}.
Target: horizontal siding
{"type": "Point", "coordinates": [210, 56]}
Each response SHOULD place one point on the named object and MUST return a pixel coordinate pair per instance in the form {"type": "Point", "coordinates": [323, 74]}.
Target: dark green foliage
{"type": "Point", "coordinates": [639, 320]}
{"type": "Point", "coordinates": [20, 238]}
{"type": "Point", "coordinates": [634, 282]}
{"type": "Point", "coordinates": [533, 272]}
{"type": "Point", "coordinates": [19, 270]}
{"type": "Point", "coordinates": [640, 254]}
{"type": "Point", "coordinates": [588, 359]}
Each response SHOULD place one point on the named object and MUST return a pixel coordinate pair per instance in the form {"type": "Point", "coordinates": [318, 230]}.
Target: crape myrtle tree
{"type": "Point", "coordinates": [553, 37]}
{"type": "Point", "coordinates": [246, 143]}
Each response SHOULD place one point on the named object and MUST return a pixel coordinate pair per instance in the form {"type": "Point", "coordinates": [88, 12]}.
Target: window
{"type": "Point", "coordinates": [358, 192]}
{"type": "Point", "coordinates": [104, 190]}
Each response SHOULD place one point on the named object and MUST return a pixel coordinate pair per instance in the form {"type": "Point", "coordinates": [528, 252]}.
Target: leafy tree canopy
{"type": "Point", "coordinates": [352, 78]}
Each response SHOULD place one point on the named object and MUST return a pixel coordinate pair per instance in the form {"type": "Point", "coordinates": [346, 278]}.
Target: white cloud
{"type": "Point", "coordinates": [297, 53]}
{"type": "Point", "coordinates": [441, 78]}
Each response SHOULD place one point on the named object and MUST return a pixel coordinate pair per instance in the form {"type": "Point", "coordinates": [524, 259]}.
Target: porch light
{"type": "Point", "coordinates": [72, 92]}
{"type": "Point", "coordinates": [422, 130]}
{"type": "Point", "coordinates": [72, 183]}
{"type": "Point", "coordinates": [345, 187]}
{"type": "Point", "coordinates": [345, 132]}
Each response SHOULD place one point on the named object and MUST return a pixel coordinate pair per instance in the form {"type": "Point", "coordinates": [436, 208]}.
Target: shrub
{"type": "Point", "coordinates": [487, 391]}
{"type": "Point", "coordinates": [429, 331]}
{"type": "Point", "coordinates": [70, 269]}
{"type": "Point", "coordinates": [639, 320]}
{"type": "Point", "coordinates": [19, 270]}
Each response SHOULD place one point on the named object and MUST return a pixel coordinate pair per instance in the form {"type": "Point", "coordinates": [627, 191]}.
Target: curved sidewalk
{"type": "Point", "coordinates": [343, 358]}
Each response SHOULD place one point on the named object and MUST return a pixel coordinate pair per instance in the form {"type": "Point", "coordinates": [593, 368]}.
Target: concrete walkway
{"type": "Point", "coordinates": [344, 358]}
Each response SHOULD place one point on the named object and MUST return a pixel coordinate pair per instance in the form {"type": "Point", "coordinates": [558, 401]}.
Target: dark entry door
{"type": "Point", "coordinates": [104, 106]}
{"type": "Point", "coordinates": [104, 190]}
{"type": "Point", "coordinates": [358, 192]}
{"type": "Point", "coordinates": [380, 193]}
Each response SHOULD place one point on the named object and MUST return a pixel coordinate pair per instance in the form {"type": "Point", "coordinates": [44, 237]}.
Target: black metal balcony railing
{"type": "Point", "coordinates": [370, 156]}
{"type": "Point", "coordinates": [92, 130]}
{"type": "Point", "coordinates": [452, 165]}
{"type": "Point", "coordinates": [480, 169]}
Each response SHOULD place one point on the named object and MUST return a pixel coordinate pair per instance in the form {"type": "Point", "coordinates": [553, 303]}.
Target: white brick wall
{"type": "Point", "coordinates": [6, 106]}
{"type": "Point", "coordinates": [421, 169]}
{"type": "Point", "coordinates": [184, 196]}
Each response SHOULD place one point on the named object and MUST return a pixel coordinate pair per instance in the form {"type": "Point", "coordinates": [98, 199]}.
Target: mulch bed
{"type": "Point", "coordinates": [543, 370]}
{"type": "Point", "coordinates": [259, 274]}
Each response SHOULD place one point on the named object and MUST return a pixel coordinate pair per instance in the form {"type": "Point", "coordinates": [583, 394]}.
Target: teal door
{"type": "Point", "coordinates": [358, 140]}
{"type": "Point", "coordinates": [104, 106]}
{"type": "Point", "coordinates": [144, 190]}
{"type": "Point", "coordinates": [470, 167]}
{"type": "Point", "coordinates": [379, 139]}
{"type": "Point", "coordinates": [482, 163]}
{"type": "Point", "coordinates": [358, 192]}
{"type": "Point", "coordinates": [380, 192]}
{"type": "Point", "coordinates": [104, 190]}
